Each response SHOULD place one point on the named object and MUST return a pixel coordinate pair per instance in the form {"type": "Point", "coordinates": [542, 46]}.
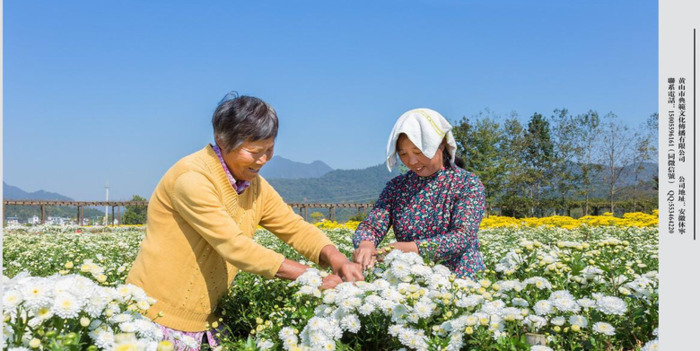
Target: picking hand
{"type": "Point", "coordinates": [350, 272]}
{"type": "Point", "coordinates": [365, 254]}
{"type": "Point", "coordinates": [330, 282]}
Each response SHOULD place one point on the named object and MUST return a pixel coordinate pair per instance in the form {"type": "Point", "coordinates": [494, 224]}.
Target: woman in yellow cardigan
{"type": "Point", "coordinates": [201, 220]}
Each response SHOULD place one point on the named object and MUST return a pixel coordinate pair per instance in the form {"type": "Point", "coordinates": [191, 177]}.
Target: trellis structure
{"type": "Point", "coordinates": [303, 208]}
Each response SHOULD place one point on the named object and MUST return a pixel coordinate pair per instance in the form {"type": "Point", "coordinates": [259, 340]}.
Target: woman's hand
{"type": "Point", "coordinates": [330, 282]}
{"type": "Point", "coordinates": [350, 272]}
{"type": "Point", "coordinates": [365, 254]}
{"type": "Point", "coordinates": [341, 266]}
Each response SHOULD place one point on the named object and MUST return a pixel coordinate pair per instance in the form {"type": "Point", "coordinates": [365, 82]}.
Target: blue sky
{"type": "Point", "coordinates": [121, 90]}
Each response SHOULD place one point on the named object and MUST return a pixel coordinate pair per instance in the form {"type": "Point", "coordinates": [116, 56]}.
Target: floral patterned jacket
{"type": "Point", "coordinates": [440, 213]}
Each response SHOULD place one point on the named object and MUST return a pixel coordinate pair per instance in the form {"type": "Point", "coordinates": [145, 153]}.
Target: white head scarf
{"type": "Point", "coordinates": [426, 129]}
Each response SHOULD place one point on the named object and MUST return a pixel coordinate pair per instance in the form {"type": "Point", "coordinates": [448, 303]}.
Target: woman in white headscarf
{"type": "Point", "coordinates": [435, 208]}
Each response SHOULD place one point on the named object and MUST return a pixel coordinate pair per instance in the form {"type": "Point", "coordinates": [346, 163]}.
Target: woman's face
{"type": "Point", "coordinates": [413, 158]}
{"type": "Point", "coordinates": [246, 161]}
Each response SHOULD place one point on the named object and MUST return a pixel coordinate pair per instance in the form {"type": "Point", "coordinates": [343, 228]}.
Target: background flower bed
{"type": "Point", "coordinates": [618, 261]}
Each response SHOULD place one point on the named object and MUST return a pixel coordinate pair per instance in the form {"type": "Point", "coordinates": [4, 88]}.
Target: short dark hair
{"type": "Point", "coordinates": [241, 119]}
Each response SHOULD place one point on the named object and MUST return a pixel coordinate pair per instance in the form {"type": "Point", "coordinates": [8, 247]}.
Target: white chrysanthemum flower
{"type": "Point", "coordinates": [36, 293]}
{"type": "Point", "coordinates": [604, 328]}
{"type": "Point", "coordinates": [264, 344]}
{"type": "Point", "coordinates": [394, 330]}
{"type": "Point", "coordinates": [317, 340]}
{"type": "Point", "coordinates": [76, 285]}
{"type": "Point", "coordinates": [366, 309]}
{"type": "Point", "coordinates": [347, 306]}
{"type": "Point", "coordinates": [347, 290]}
{"type": "Point", "coordinates": [286, 332]}
{"type": "Point", "coordinates": [311, 277]}
{"type": "Point", "coordinates": [121, 318]}
{"type": "Point", "coordinates": [11, 299]}
{"type": "Point", "coordinates": [424, 308]}
{"type": "Point", "coordinates": [422, 271]}
{"type": "Point", "coordinates": [143, 305]}
{"type": "Point", "coordinates": [290, 343]}
{"type": "Point", "coordinates": [579, 320]}
{"type": "Point", "coordinates": [520, 302]}
{"type": "Point", "coordinates": [392, 294]}
{"type": "Point", "coordinates": [590, 272]}
{"type": "Point", "coordinates": [586, 303]}
{"type": "Point", "coordinates": [539, 282]}
{"type": "Point", "coordinates": [323, 310]}
{"type": "Point", "coordinates": [413, 258]}
{"type": "Point", "coordinates": [543, 307]}
{"type": "Point", "coordinates": [393, 255]}
{"type": "Point", "coordinates": [381, 284]}
{"type": "Point", "coordinates": [611, 305]}
{"type": "Point", "coordinates": [306, 290]}
{"type": "Point", "coordinates": [127, 327]}
{"type": "Point", "coordinates": [329, 297]}
{"type": "Point", "coordinates": [399, 313]}
{"type": "Point", "coordinates": [565, 304]}
{"type": "Point", "coordinates": [97, 302]}
{"type": "Point", "coordinates": [560, 294]}
{"type": "Point", "coordinates": [558, 321]}
{"type": "Point", "coordinates": [642, 286]}
{"type": "Point", "coordinates": [103, 337]}
{"type": "Point", "coordinates": [315, 323]}
{"type": "Point", "coordinates": [470, 301]}
{"type": "Point", "coordinates": [508, 285]}
{"type": "Point", "coordinates": [442, 271]}
{"type": "Point", "coordinates": [511, 314]}
{"type": "Point", "coordinates": [456, 342]}
{"type": "Point", "coordinates": [364, 286]}
{"type": "Point", "coordinates": [471, 320]}
{"type": "Point", "coordinates": [493, 307]}
{"type": "Point", "coordinates": [400, 269]}
{"type": "Point", "coordinates": [540, 348]}
{"type": "Point", "coordinates": [147, 329]}
{"type": "Point", "coordinates": [619, 280]}
{"type": "Point", "coordinates": [44, 313]}
{"type": "Point", "coordinates": [66, 305]}
{"type": "Point", "coordinates": [350, 323]}
{"type": "Point", "coordinates": [651, 345]}
{"type": "Point", "coordinates": [497, 334]}
{"type": "Point", "coordinates": [534, 321]}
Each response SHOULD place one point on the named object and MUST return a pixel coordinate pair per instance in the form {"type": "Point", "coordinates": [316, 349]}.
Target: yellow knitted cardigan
{"type": "Point", "coordinates": [199, 234]}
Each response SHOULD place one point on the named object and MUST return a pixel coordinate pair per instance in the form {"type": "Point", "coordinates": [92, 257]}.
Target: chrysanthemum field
{"type": "Point", "coordinates": [552, 284]}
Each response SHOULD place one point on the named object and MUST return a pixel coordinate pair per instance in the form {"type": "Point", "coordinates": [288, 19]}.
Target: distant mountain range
{"type": "Point", "coordinates": [280, 167]}
{"type": "Point", "coordinates": [355, 185]}
{"type": "Point", "coordinates": [10, 192]}
{"type": "Point", "coordinates": [23, 213]}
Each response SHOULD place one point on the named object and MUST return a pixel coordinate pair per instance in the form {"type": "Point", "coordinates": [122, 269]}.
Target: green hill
{"type": "Point", "coordinates": [339, 186]}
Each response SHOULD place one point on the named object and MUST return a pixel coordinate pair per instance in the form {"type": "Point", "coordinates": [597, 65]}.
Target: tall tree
{"type": "Point", "coordinates": [617, 154]}
{"type": "Point", "coordinates": [644, 150]}
{"type": "Point", "coordinates": [539, 157]}
{"type": "Point", "coordinates": [135, 214]}
{"type": "Point", "coordinates": [478, 143]}
{"type": "Point", "coordinates": [564, 176]}
{"type": "Point", "coordinates": [514, 201]}
{"type": "Point", "coordinates": [586, 146]}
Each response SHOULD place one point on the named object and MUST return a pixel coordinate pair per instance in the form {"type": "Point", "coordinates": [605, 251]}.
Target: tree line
{"type": "Point", "coordinates": [556, 163]}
